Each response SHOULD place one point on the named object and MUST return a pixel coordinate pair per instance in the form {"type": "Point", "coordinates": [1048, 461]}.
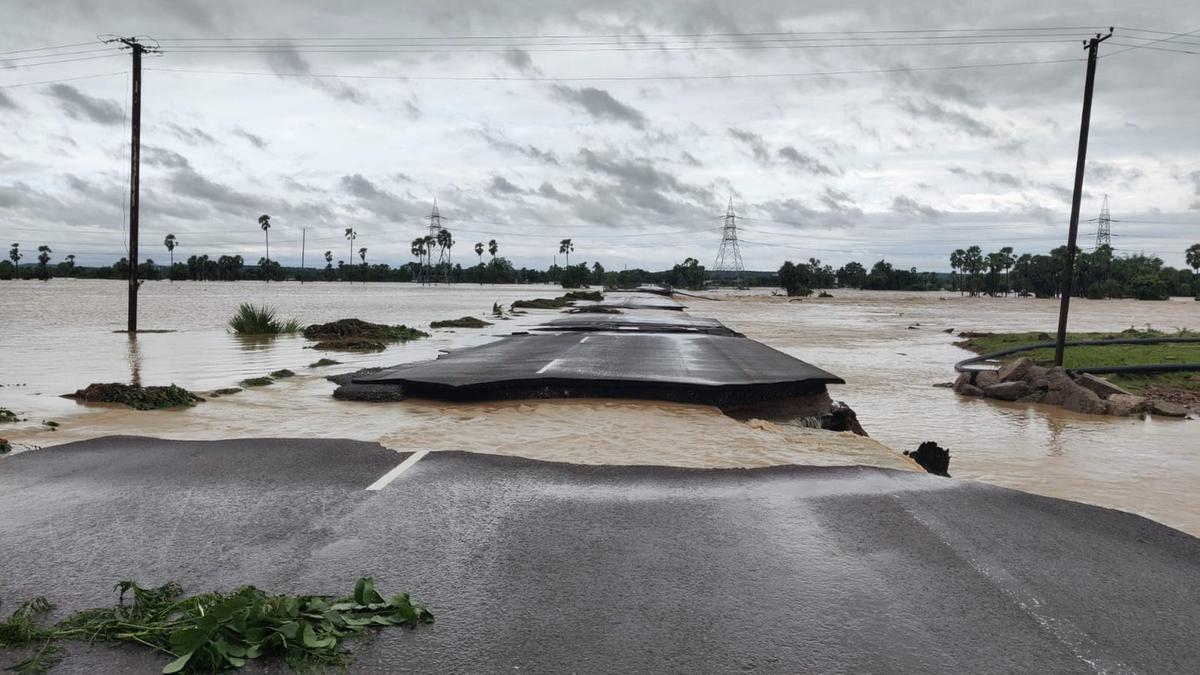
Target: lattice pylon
{"type": "Point", "coordinates": [729, 257]}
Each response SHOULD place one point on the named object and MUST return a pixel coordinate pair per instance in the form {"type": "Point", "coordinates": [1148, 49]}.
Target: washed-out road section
{"type": "Point", "coordinates": [536, 567]}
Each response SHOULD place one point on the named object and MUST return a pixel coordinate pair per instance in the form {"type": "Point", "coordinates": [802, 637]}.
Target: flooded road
{"type": "Point", "coordinates": [58, 336]}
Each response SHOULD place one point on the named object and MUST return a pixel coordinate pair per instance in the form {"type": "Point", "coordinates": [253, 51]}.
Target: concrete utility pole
{"type": "Point", "coordinates": [1092, 46]}
{"type": "Point", "coordinates": [303, 237]}
{"type": "Point", "coordinates": [135, 149]}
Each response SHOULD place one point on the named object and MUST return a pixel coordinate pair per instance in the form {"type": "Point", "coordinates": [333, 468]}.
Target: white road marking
{"type": "Point", "coordinates": [583, 340]}
{"type": "Point", "coordinates": [390, 476]}
{"type": "Point", "coordinates": [548, 366]}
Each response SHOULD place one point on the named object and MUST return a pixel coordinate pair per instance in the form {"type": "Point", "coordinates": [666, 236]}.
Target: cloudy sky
{"type": "Point", "coordinates": [842, 130]}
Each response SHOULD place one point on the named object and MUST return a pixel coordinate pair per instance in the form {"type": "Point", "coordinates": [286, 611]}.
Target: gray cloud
{"type": "Point", "coordinates": [255, 140]}
{"type": "Point", "coordinates": [911, 207]}
{"type": "Point", "coordinates": [992, 177]}
{"type": "Point", "coordinates": [286, 62]}
{"type": "Point", "coordinates": [188, 182]}
{"type": "Point", "coordinates": [378, 201]}
{"type": "Point", "coordinates": [156, 156]}
{"type": "Point", "coordinates": [689, 159]}
{"type": "Point", "coordinates": [758, 147]}
{"type": "Point", "coordinates": [936, 112]}
{"type": "Point", "coordinates": [1195, 176]}
{"type": "Point", "coordinates": [547, 190]}
{"type": "Point", "coordinates": [519, 59]}
{"type": "Point", "coordinates": [6, 102]}
{"type": "Point", "coordinates": [804, 161]}
{"type": "Point", "coordinates": [601, 105]}
{"type": "Point", "coordinates": [839, 202]}
{"type": "Point", "coordinates": [192, 135]}
{"type": "Point", "coordinates": [508, 147]}
{"type": "Point", "coordinates": [500, 185]}
{"type": "Point", "coordinates": [1106, 172]}
{"type": "Point", "coordinates": [80, 106]}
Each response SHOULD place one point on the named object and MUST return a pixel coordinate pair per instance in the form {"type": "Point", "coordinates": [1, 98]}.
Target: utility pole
{"type": "Point", "coordinates": [303, 237]}
{"type": "Point", "coordinates": [1092, 46]}
{"type": "Point", "coordinates": [135, 150]}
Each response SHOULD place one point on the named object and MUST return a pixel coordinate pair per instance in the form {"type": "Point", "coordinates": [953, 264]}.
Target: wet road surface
{"type": "Point", "coordinates": [545, 567]}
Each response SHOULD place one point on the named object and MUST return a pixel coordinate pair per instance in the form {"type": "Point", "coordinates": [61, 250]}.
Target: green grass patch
{"type": "Point", "coordinates": [356, 335]}
{"type": "Point", "coordinates": [257, 381]}
{"type": "Point", "coordinates": [251, 320]}
{"type": "Point", "coordinates": [541, 303]}
{"type": "Point", "coordinates": [213, 632]}
{"type": "Point", "coordinates": [7, 416]}
{"type": "Point", "coordinates": [321, 363]}
{"type": "Point", "coordinates": [1105, 355]}
{"type": "Point", "coordinates": [282, 372]}
{"type": "Point", "coordinates": [464, 322]}
{"type": "Point", "coordinates": [595, 296]}
{"type": "Point", "coordinates": [136, 396]}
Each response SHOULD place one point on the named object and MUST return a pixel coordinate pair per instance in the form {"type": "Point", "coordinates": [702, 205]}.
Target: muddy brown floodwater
{"type": "Point", "coordinates": [58, 336]}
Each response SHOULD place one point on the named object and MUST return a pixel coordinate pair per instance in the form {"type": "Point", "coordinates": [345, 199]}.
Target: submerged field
{"type": "Point", "coordinates": [1089, 356]}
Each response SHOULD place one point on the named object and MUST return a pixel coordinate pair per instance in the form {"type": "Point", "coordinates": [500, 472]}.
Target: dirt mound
{"type": "Point", "coordinates": [464, 322]}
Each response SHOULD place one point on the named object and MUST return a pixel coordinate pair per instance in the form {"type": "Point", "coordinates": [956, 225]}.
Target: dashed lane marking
{"type": "Point", "coordinates": [390, 476]}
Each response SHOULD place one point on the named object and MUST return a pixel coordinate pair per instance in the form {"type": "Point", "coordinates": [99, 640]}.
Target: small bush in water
{"type": "Point", "coordinates": [251, 320]}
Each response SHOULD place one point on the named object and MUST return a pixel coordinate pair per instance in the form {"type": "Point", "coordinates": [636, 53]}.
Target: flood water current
{"type": "Point", "coordinates": [59, 336]}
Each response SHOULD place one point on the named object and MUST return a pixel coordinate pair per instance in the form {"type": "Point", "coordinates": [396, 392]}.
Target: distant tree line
{"type": "Point", "coordinates": [1098, 274]}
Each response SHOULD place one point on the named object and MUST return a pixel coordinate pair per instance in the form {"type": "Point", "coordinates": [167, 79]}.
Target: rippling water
{"type": "Point", "coordinates": [58, 336]}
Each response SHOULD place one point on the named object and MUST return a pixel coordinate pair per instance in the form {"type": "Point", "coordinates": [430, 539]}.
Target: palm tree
{"type": "Point", "coordinates": [445, 242]}
{"type": "Point", "coordinates": [171, 242]}
{"type": "Point", "coordinates": [1007, 263]}
{"type": "Point", "coordinates": [565, 247]}
{"type": "Point", "coordinates": [418, 250]}
{"type": "Point", "coordinates": [973, 263]}
{"type": "Point", "coordinates": [956, 265]}
{"type": "Point", "coordinates": [264, 221]}
{"type": "Point", "coordinates": [351, 235]}
{"type": "Point", "coordinates": [428, 242]}
{"type": "Point", "coordinates": [14, 254]}
{"type": "Point", "coordinates": [44, 260]}
{"type": "Point", "coordinates": [71, 265]}
{"type": "Point", "coordinates": [493, 248]}
{"type": "Point", "coordinates": [362, 253]}
{"type": "Point", "coordinates": [1192, 255]}
{"type": "Point", "coordinates": [328, 265]}
{"type": "Point", "coordinates": [479, 252]}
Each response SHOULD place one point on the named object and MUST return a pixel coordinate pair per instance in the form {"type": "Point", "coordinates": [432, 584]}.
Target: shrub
{"type": "Point", "coordinates": [137, 397]}
{"type": "Point", "coordinates": [1149, 287]}
{"type": "Point", "coordinates": [321, 363]}
{"type": "Point", "coordinates": [464, 322]}
{"type": "Point", "coordinates": [251, 320]}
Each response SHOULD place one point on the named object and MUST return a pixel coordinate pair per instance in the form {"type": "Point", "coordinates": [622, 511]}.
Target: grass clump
{"type": "Point", "coordinates": [1104, 355]}
{"type": "Point", "coordinates": [595, 296]}
{"type": "Point", "coordinates": [356, 335]}
{"type": "Point", "coordinates": [541, 303]}
{"type": "Point", "coordinates": [137, 396]}
{"type": "Point", "coordinates": [321, 363]}
{"type": "Point", "coordinates": [282, 372]}
{"type": "Point", "coordinates": [7, 416]}
{"type": "Point", "coordinates": [5, 446]}
{"type": "Point", "coordinates": [464, 322]}
{"type": "Point", "coordinates": [225, 391]}
{"type": "Point", "coordinates": [251, 320]}
{"type": "Point", "coordinates": [213, 632]}
{"type": "Point", "coordinates": [257, 381]}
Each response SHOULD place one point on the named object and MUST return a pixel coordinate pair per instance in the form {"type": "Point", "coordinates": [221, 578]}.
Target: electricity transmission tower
{"type": "Point", "coordinates": [729, 257]}
{"type": "Point", "coordinates": [435, 220]}
{"type": "Point", "coordinates": [1103, 226]}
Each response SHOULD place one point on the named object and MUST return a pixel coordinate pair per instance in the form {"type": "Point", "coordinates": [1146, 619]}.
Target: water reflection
{"type": "Point", "coordinates": [135, 360]}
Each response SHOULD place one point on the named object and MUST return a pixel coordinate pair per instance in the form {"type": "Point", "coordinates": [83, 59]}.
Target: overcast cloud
{"type": "Point", "coordinates": [524, 142]}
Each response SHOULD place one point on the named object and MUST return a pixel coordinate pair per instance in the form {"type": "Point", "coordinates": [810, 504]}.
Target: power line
{"type": "Point", "coordinates": [1129, 47]}
{"type": "Point", "coordinates": [72, 60]}
{"type": "Point", "coordinates": [734, 76]}
{"type": "Point", "coordinates": [64, 79]}
{"type": "Point", "coordinates": [42, 49]}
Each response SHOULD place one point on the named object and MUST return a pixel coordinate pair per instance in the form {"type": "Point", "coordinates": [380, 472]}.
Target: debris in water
{"type": "Point", "coordinates": [464, 322]}
{"type": "Point", "coordinates": [932, 457]}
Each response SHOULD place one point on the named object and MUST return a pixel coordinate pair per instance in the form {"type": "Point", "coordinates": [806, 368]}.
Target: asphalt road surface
{"type": "Point", "coordinates": [701, 368]}
{"type": "Point", "coordinates": [644, 320]}
{"type": "Point", "coordinates": [536, 567]}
